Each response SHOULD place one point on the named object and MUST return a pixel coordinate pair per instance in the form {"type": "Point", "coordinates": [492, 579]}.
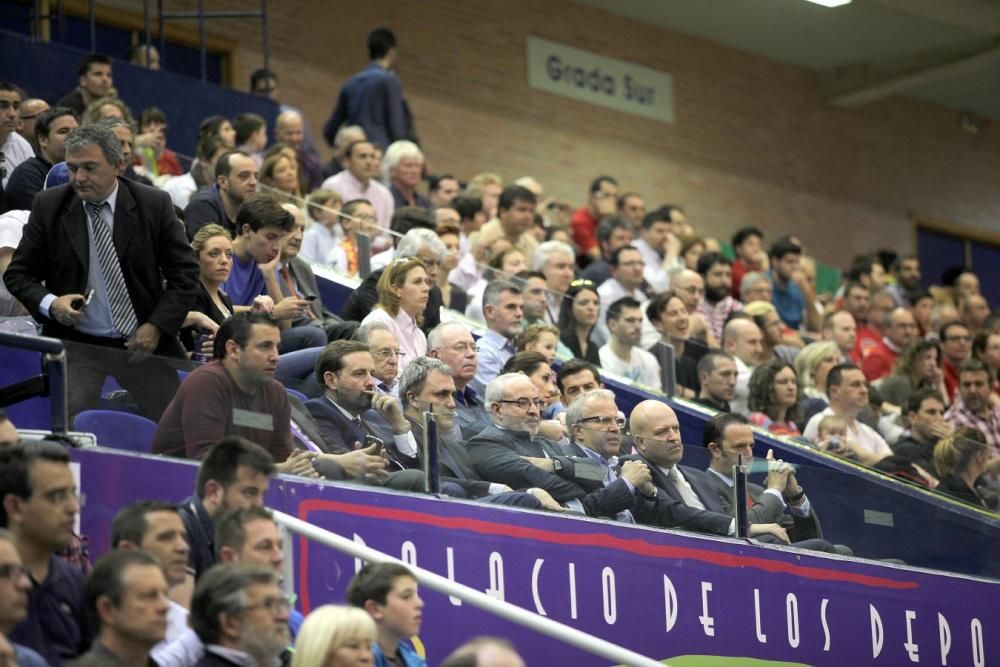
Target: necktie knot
{"type": "Point", "coordinates": [95, 208]}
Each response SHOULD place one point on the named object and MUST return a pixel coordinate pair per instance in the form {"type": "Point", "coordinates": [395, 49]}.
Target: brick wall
{"type": "Point", "coordinates": [752, 143]}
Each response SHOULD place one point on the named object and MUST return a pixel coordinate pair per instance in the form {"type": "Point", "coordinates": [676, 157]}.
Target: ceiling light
{"type": "Point", "coordinates": [830, 3]}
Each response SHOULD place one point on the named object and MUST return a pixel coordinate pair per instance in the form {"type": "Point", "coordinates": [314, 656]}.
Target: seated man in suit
{"type": "Point", "coordinates": [384, 346]}
{"type": "Point", "coordinates": [346, 370]}
{"type": "Point", "coordinates": [510, 452]}
{"type": "Point", "coordinates": [452, 343]}
{"type": "Point", "coordinates": [427, 385]}
{"type": "Point", "coordinates": [657, 436]}
{"type": "Point", "coordinates": [729, 436]}
{"type": "Point", "coordinates": [104, 262]}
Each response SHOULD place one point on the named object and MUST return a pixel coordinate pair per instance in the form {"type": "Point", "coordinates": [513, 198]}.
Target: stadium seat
{"type": "Point", "coordinates": [120, 430]}
{"type": "Point", "coordinates": [297, 394]}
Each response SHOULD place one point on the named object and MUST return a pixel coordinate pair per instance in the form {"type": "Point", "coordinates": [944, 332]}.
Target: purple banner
{"type": "Point", "coordinates": [663, 594]}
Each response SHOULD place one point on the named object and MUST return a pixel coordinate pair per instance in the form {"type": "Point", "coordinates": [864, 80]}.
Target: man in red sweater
{"type": "Point", "coordinates": [601, 203]}
{"type": "Point", "coordinates": [900, 331]}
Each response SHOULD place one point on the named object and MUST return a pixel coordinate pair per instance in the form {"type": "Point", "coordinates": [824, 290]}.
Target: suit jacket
{"type": "Point", "coordinates": [766, 508]}
{"type": "Point", "coordinates": [454, 462]}
{"type": "Point", "coordinates": [671, 511]}
{"type": "Point", "coordinates": [496, 455]}
{"type": "Point", "coordinates": [306, 280]}
{"type": "Point", "coordinates": [340, 433]}
{"type": "Point", "coordinates": [156, 260]}
{"type": "Point", "coordinates": [205, 208]}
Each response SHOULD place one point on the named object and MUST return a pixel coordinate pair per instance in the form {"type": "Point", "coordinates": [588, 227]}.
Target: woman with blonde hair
{"type": "Point", "coordinates": [961, 459]}
{"type": "Point", "coordinates": [335, 636]}
{"type": "Point", "coordinates": [812, 365]}
{"type": "Point", "coordinates": [403, 290]}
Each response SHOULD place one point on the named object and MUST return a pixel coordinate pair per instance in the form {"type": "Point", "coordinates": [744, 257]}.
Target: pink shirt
{"type": "Point", "coordinates": [348, 187]}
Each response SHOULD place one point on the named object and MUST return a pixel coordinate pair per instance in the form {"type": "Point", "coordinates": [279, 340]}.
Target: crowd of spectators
{"type": "Point", "coordinates": [144, 270]}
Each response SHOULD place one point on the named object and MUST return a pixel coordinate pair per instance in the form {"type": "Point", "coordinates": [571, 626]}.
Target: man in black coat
{"type": "Point", "coordinates": [103, 261]}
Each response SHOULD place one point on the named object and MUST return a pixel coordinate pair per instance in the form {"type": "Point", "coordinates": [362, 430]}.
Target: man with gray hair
{"type": "Point", "coordinates": [503, 309]}
{"type": "Point", "coordinates": [556, 261]}
{"type": "Point", "coordinates": [128, 300]}
{"type": "Point", "coordinates": [402, 169]}
{"type": "Point", "coordinates": [452, 343]}
{"type": "Point", "coordinates": [241, 616]}
{"type": "Point", "coordinates": [511, 452]}
{"type": "Point", "coordinates": [427, 386]}
{"type": "Point", "coordinates": [289, 127]}
{"type": "Point", "coordinates": [755, 286]}
{"type": "Point", "coordinates": [384, 347]}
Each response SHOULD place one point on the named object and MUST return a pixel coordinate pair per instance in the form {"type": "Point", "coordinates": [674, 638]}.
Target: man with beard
{"type": "Point", "coordinates": [535, 293]}
{"type": "Point", "coordinates": [717, 304]}
{"type": "Point", "coordinates": [900, 331]}
{"type": "Point", "coordinates": [346, 370]}
{"type": "Point", "coordinates": [234, 394]}
{"type": "Point", "coordinates": [973, 407]}
{"type": "Point", "coordinates": [792, 302]}
{"type": "Point", "coordinates": [127, 598]}
{"type": "Point", "coordinates": [427, 386]}
{"type": "Point", "coordinates": [235, 181]}
{"type": "Point", "coordinates": [717, 373]}
{"type": "Point", "coordinates": [240, 614]}
{"type": "Point", "coordinates": [906, 270]}
{"type": "Point", "coordinates": [622, 354]}
{"type": "Point", "coordinates": [913, 454]}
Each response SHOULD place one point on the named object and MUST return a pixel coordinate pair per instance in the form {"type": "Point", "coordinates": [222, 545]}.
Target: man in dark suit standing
{"type": "Point", "coordinates": [103, 261]}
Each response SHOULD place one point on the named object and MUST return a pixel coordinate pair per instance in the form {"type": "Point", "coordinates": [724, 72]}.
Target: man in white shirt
{"type": "Point", "coordinates": [848, 393]}
{"type": "Point", "coordinates": [622, 355]}
{"type": "Point", "coordinates": [659, 247]}
{"type": "Point", "coordinates": [626, 279]}
{"type": "Point", "coordinates": [14, 149]}
{"type": "Point", "coordinates": [743, 339]}
{"type": "Point", "coordinates": [357, 181]}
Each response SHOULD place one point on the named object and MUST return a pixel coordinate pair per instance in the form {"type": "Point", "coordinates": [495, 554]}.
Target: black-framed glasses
{"type": "Point", "coordinates": [12, 571]}
{"type": "Point", "coordinates": [605, 421]}
{"type": "Point", "coordinates": [524, 403]}
{"type": "Point", "coordinates": [382, 355]}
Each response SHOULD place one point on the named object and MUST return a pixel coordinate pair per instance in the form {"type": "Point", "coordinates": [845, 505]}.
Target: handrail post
{"type": "Point", "coordinates": [58, 391]}
{"type": "Point", "coordinates": [739, 498]}
{"type": "Point", "coordinates": [364, 255]}
{"type": "Point", "coordinates": [668, 370]}
{"type": "Point", "coordinates": [432, 471]}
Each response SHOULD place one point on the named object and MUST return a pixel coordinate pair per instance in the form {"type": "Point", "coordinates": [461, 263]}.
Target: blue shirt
{"type": "Point", "coordinates": [409, 656]}
{"type": "Point", "coordinates": [470, 413]}
{"type": "Point", "coordinates": [245, 282]}
{"type": "Point", "coordinates": [373, 99]}
{"type": "Point", "coordinates": [494, 351]}
{"type": "Point", "coordinates": [788, 301]}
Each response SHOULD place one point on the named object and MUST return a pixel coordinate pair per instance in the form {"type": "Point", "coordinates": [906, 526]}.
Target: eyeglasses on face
{"type": "Point", "coordinates": [13, 571]}
{"type": "Point", "coordinates": [524, 403]}
{"type": "Point", "coordinates": [605, 422]}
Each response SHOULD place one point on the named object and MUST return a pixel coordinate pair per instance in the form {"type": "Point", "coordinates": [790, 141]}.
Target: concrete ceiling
{"type": "Point", "coordinates": [941, 51]}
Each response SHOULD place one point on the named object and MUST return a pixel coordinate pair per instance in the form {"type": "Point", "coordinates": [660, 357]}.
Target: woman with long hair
{"type": "Point", "coordinates": [577, 319]}
{"type": "Point", "coordinates": [918, 366]}
{"type": "Point", "coordinates": [812, 365]}
{"type": "Point", "coordinates": [774, 398]}
{"type": "Point", "coordinates": [961, 459]}
{"type": "Point", "coordinates": [335, 636]}
{"type": "Point", "coordinates": [213, 250]}
{"type": "Point", "coordinates": [403, 290]}
{"type": "Point", "coordinates": [218, 126]}
{"type": "Point", "coordinates": [668, 314]}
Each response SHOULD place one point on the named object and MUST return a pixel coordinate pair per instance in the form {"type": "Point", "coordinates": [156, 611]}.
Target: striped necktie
{"type": "Point", "coordinates": [121, 306]}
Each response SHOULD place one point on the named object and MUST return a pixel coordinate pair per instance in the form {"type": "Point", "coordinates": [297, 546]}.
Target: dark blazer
{"type": "Point", "coordinates": [151, 247]}
{"type": "Point", "coordinates": [671, 511]}
{"type": "Point", "coordinates": [205, 208]}
{"type": "Point", "coordinates": [340, 433]}
{"type": "Point", "coordinates": [570, 340]}
{"type": "Point", "coordinates": [363, 299]}
{"type": "Point", "coordinates": [766, 509]}
{"type": "Point", "coordinates": [306, 280]}
{"type": "Point", "coordinates": [496, 455]}
{"type": "Point", "coordinates": [210, 659]}
{"type": "Point", "coordinates": [455, 463]}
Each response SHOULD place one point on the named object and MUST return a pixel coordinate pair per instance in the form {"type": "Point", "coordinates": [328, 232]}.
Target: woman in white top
{"type": "Point", "coordinates": [403, 290]}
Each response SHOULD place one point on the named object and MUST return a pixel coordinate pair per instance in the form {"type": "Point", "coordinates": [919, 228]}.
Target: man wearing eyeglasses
{"type": "Point", "coordinates": [39, 504]}
{"type": "Point", "coordinates": [452, 343]}
{"type": "Point", "coordinates": [626, 280]}
{"type": "Point", "coordinates": [956, 346]}
{"type": "Point", "coordinates": [241, 616]}
{"type": "Point", "coordinates": [510, 452]}
{"type": "Point", "coordinates": [15, 582]}
{"type": "Point", "coordinates": [127, 596]}
{"type": "Point", "coordinates": [385, 351]}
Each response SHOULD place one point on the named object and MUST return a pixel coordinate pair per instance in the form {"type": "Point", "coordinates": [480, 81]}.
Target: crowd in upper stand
{"type": "Point", "coordinates": [146, 270]}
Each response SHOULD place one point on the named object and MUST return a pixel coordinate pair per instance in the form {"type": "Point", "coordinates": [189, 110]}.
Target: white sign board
{"type": "Point", "coordinates": [608, 82]}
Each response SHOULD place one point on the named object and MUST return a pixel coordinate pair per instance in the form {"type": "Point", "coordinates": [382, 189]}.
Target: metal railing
{"type": "Point", "coordinates": [476, 598]}
{"type": "Point", "coordinates": [51, 382]}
